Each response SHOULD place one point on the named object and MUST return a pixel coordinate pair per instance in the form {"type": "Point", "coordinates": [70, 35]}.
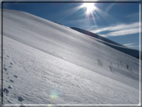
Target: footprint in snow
{"type": "Point", "coordinates": [11, 64]}
{"type": "Point", "coordinates": [100, 62]}
{"type": "Point", "coordinates": [5, 69]}
{"type": "Point", "coordinates": [20, 99]}
{"type": "Point", "coordinates": [110, 68]}
{"type": "Point", "coordinates": [5, 91]}
{"type": "Point", "coordinates": [15, 76]}
{"type": "Point", "coordinates": [11, 81]}
{"type": "Point", "coordinates": [10, 87]}
{"type": "Point", "coordinates": [8, 101]}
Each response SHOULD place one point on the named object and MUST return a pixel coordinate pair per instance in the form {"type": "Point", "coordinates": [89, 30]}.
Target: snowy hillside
{"type": "Point", "coordinates": [48, 63]}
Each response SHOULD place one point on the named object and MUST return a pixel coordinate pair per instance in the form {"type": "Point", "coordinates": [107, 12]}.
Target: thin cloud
{"type": "Point", "coordinates": [117, 27]}
{"type": "Point", "coordinates": [131, 45]}
{"type": "Point", "coordinates": [128, 44]}
{"type": "Point", "coordinates": [119, 30]}
{"type": "Point", "coordinates": [123, 32]}
{"type": "Point", "coordinates": [133, 15]}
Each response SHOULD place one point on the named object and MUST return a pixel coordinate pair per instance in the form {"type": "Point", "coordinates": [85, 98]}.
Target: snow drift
{"type": "Point", "coordinates": [48, 63]}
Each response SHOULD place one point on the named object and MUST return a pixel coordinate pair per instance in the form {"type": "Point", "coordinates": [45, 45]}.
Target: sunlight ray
{"type": "Point", "coordinates": [68, 13]}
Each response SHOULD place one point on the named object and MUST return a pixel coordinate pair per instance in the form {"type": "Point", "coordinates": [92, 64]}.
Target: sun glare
{"type": "Point", "coordinates": [89, 6]}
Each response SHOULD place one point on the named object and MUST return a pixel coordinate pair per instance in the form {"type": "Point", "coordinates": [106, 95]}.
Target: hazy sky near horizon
{"type": "Point", "coordinates": [116, 21]}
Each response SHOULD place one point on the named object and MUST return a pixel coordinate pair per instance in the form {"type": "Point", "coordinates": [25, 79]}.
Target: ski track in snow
{"type": "Point", "coordinates": [53, 64]}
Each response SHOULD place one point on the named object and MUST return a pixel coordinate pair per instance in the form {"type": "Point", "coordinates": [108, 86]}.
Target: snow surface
{"type": "Point", "coordinates": [48, 63]}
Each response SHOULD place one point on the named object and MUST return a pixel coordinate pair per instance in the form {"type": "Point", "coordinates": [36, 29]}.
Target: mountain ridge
{"type": "Point", "coordinates": [122, 48]}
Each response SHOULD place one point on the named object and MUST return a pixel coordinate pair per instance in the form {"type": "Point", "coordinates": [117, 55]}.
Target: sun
{"type": "Point", "coordinates": [90, 7]}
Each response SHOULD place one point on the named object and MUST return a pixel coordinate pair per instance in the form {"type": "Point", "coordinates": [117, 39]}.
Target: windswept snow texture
{"type": "Point", "coordinates": [48, 63]}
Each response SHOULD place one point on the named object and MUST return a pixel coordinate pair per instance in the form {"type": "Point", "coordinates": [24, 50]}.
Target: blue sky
{"type": "Point", "coordinates": [116, 21]}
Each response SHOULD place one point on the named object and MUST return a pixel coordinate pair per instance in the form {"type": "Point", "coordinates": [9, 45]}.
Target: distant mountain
{"type": "Point", "coordinates": [132, 52]}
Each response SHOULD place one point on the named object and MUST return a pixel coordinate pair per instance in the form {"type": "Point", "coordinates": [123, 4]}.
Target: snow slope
{"type": "Point", "coordinates": [48, 63]}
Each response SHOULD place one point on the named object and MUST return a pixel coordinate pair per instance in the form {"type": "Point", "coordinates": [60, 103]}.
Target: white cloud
{"type": "Point", "coordinates": [133, 15]}
{"type": "Point", "coordinates": [130, 45]}
{"type": "Point", "coordinates": [123, 32]}
{"type": "Point", "coordinates": [119, 29]}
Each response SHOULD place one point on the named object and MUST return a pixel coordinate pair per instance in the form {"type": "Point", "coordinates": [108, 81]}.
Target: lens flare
{"type": "Point", "coordinates": [49, 105]}
{"type": "Point", "coordinates": [54, 94]}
